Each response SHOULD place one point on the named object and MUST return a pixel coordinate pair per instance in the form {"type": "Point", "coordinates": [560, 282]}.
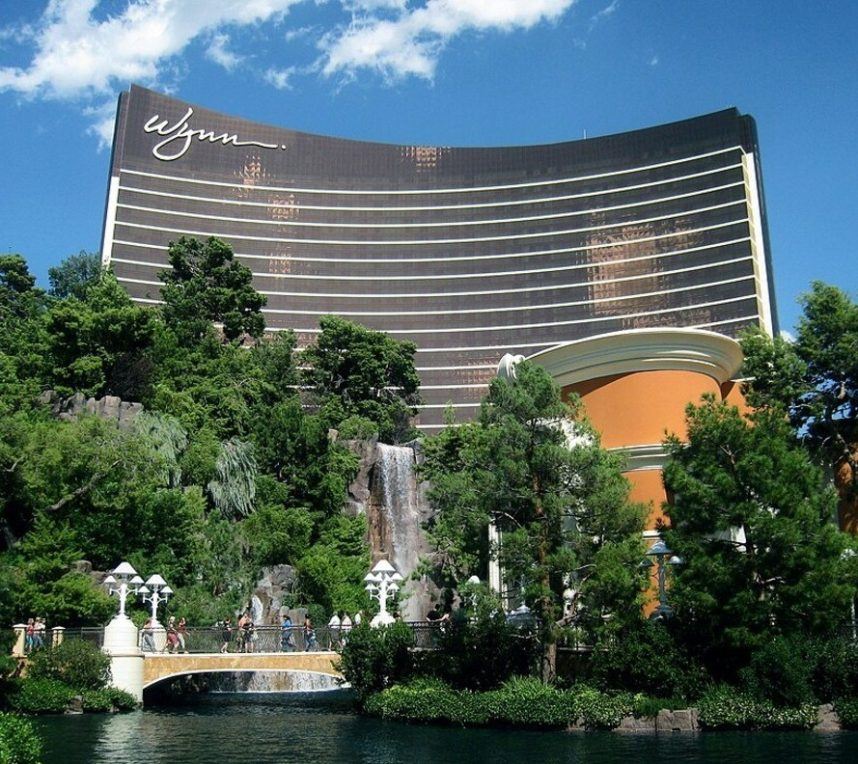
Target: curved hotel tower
{"type": "Point", "coordinates": [584, 255]}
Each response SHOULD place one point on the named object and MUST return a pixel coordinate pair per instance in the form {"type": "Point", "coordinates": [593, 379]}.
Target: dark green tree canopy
{"type": "Point", "coordinates": [207, 285]}
{"type": "Point", "coordinates": [751, 519]}
{"type": "Point", "coordinates": [814, 380]}
{"type": "Point", "coordinates": [533, 466]}
{"type": "Point", "coordinates": [74, 274]}
{"type": "Point", "coordinates": [360, 372]}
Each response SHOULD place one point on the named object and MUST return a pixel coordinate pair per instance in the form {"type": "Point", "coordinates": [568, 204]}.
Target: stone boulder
{"type": "Point", "coordinates": [272, 588]}
{"type": "Point", "coordinates": [681, 720]}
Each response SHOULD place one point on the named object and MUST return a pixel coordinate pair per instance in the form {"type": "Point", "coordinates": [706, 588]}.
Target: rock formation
{"type": "Point", "coordinates": [387, 491]}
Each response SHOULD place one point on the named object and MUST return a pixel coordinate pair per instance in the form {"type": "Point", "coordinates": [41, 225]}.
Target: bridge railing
{"type": "Point", "coordinates": [266, 639]}
{"type": "Point", "coordinates": [94, 634]}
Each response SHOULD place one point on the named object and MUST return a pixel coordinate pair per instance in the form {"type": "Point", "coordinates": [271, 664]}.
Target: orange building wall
{"type": "Point", "coordinates": [647, 487]}
{"type": "Point", "coordinates": [637, 409]}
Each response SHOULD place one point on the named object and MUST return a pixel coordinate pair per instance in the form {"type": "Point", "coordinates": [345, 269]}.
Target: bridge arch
{"type": "Point", "coordinates": [305, 670]}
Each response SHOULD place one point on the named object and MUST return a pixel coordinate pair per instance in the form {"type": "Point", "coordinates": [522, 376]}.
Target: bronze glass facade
{"type": "Point", "coordinates": [469, 252]}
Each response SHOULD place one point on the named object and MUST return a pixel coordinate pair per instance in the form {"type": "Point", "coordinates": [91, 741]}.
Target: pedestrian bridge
{"type": "Point", "coordinates": [160, 666]}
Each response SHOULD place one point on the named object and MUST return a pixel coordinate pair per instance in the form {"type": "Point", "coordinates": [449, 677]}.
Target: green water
{"type": "Point", "coordinates": [317, 728]}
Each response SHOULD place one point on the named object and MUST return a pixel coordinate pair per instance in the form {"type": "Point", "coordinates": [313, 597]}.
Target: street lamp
{"type": "Point", "coordinates": [660, 551]}
{"type": "Point", "coordinates": [155, 591]}
{"type": "Point", "coordinates": [382, 583]}
{"type": "Point", "coordinates": [123, 580]}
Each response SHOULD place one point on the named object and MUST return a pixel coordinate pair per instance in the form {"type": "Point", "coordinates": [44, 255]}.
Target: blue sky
{"type": "Point", "coordinates": [446, 72]}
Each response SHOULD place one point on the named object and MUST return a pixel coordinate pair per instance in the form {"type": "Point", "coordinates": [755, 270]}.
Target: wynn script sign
{"type": "Point", "coordinates": [178, 137]}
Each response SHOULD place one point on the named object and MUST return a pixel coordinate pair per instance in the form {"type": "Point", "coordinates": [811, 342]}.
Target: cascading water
{"type": "Point", "coordinates": [394, 519]}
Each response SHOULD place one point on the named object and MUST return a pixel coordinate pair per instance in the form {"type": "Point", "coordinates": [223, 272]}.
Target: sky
{"type": "Point", "coordinates": [439, 72]}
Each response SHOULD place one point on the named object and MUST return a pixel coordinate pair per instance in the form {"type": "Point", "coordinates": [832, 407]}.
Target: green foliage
{"type": "Point", "coordinates": [521, 702]}
{"type": "Point", "coordinates": [75, 274]}
{"type": "Point", "coordinates": [779, 672]}
{"type": "Point", "coordinates": [97, 344]}
{"type": "Point", "coordinates": [206, 284]}
{"type": "Point", "coordinates": [222, 473]}
{"type": "Point", "coordinates": [564, 511]}
{"type": "Point", "coordinates": [355, 371]}
{"type": "Point", "coordinates": [275, 534]}
{"type": "Point", "coordinates": [75, 662]}
{"type": "Point", "coordinates": [108, 699]}
{"type": "Point", "coordinates": [19, 743]}
{"type": "Point", "coordinates": [644, 658]}
{"type": "Point", "coordinates": [331, 572]}
{"type": "Point", "coordinates": [847, 711]}
{"type": "Point", "coordinates": [814, 380]}
{"type": "Point", "coordinates": [233, 488]}
{"type": "Point", "coordinates": [484, 652]}
{"type": "Point", "coordinates": [723, 708]}
{"type": "Point", "coordinates": [373, 659]}
{"type": "Point", "coordinates": [41, 696]}
{"type": "Point", "coordinates": [833, 667]}
{"type": "Point", "coordinates": [788, 577]}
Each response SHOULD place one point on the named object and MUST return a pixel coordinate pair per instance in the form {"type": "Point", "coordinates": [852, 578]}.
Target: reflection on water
{"type": "Point", "coordinates": [317, 728]}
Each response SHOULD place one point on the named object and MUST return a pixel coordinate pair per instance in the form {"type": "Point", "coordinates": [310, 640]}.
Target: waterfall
{"type": "Point", "coordinates": [271, 681]}
{"type": "Point", "coordinates": [394, 518]}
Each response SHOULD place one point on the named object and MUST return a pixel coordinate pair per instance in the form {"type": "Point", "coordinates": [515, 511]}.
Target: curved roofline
{"type": "Point", "coordinates": [666, 126]}
{"type": "Point", "coordinates": [636, 350]}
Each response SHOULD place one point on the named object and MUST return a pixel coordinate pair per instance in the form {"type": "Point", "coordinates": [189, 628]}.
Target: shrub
{"type": "Point", "coordinates": [527, 702]}
{"type": "Point", "coordinates": [835, 674]}
{"type": "Point", "coordinates": [484, 653]}
{"type": "Point", "coordinates": [374, 659]}
{"type": "Point", "coordinates": [77, 663]}
{"type": "Point", "coordinates": [600, 711]}
{"type": "Point", "coordinates": [847, 712]}
{"type": "Point", "coordinates": [41, 696]}
{"type": "Point", "coordinates": [19, 743]}
{"type": "Point", "coordinates": [646, 659]}
{"type": "Point", "coordinates": [523, 702]}
{"type": "Point", "coordinates": [724, 708]}
{"type": "Point", "coordinates": [780, 672]}
{"type": "Point", "coordinates": [646, 705]}
{"type": "Point", "coordinates": [108, 699]}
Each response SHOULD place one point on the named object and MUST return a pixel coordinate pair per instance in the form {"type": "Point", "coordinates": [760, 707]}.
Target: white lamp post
{"type": "Point", "coordinates": [155, 592]}
{"type": "Point", "coordinates": [122, 581]}
{"type": "Point", "coordinates": [120, 635]}
{"type": "Point", "coordinates": [382, 583]}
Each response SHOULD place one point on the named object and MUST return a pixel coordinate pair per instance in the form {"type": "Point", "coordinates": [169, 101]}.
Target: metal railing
{"type": "Point", "coordinates": [263, 639]}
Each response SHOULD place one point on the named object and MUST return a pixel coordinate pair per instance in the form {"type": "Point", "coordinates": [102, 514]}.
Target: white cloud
{"type": "Point", "coordinates": [85, 51]}
{"type": "Point", "coordinates": [411, 42]}
{"type": "Point", "coordinates": [279, 78]}
{"type": "Point", "coordinates": [218, 52]}
{"type": "Point", "coordinates": [78, 54]}
{"type": "Point", "coordinates": [653, 61]}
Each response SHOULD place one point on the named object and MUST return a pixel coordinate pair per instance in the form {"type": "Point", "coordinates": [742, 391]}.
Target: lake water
{"type": "Point", "coordinates": [317, 728]}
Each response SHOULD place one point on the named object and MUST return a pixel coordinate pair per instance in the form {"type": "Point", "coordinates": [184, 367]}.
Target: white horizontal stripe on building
{"type": "Point", "coordinates": [429, 191]}
{"type": "Point", "coordinates": [422, 242]}
{"type": "Point", "coordinates": [491, 309]}
{"type": "Point", "coordinates": [479, 205]}
{"type": "Point", "coordinates": [437, 224]}
{"type": "Point", "coordinates": [452, 276]}
{"type": "Point", "coordinates": [406, 295]}
{"type": "Point", "coordinates": [514, 327]}
{"type": "Point", "coordinates": [462, 258]}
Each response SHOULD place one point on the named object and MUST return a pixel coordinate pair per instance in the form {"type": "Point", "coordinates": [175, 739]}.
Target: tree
{"type": "Point", "coordinates": [355, 371]}
{"type": "Point", "coordinates": [534, 467]}
{"type": "Point", "coordinates": [98, 344]}
{"type": "Point", "coordinates": [207, 285]}
{"type": "Point", "coordinates": [751, 520]}
{"type": "Point", "coordinates": [75, 274]}
{"type": "Point", "coordinates": [814, 381]}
